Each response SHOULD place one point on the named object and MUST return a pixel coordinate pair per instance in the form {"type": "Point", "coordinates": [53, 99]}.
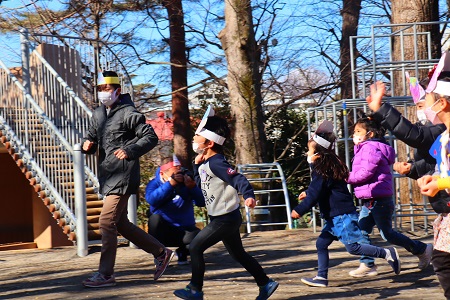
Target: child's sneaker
{"type": "Point", "coordinates": [182, 255]}
{"type": "Point", "coordinates": [267, 290]}
{"type": "Point", "coordinates": [188, 293]}
{"type": "Point", "coordinates": [393, 259]}
{"type": "Point", "coordinates": [316, 281]}
{"type": "Point", "coordinates": [425, 257]}
{"type": "Point", "coordinates": [99, 280]}
{"type": "Point", "coordinates": [364, 271]}
{"type": "Point", "coordinates": [161, 262]}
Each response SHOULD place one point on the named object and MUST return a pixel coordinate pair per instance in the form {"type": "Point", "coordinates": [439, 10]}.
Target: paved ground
{"type": "Point", "coordinates": [287, 256]}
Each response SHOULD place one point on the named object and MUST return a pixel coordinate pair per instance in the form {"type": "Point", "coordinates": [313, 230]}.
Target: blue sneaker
{"type": "Point", "coordinates": [316, 281]}
{"type": "Point", "coordinates": [267, 290]}
{"type": "Point", "coordinates": [393, 259]}
{"type": "Point", "coordinates": [188, 293]}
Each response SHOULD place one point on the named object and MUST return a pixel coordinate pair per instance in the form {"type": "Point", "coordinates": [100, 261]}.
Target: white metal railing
{"type": "Point", "coordinates": [339, 113]}
{"type": "Point", "coordinates": [271, 192]}
{"type": "Point", "coordinates": [43, 148]}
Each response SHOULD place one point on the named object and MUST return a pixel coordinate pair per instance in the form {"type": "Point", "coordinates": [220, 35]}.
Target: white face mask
{"type": "Point", "coordinates": [421, 117]}
{"type": "Point", "coordinates": [309, 158]}
{"type": "Point", "coordinates": [359, 138]}
{"type": "Point", "coordinates": [107, 98]}
{"type": "Point", "coordinates": [196, 148]}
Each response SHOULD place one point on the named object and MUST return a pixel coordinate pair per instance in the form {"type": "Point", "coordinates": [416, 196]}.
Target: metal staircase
{"type": "Point", "coordinates": [42, 118]}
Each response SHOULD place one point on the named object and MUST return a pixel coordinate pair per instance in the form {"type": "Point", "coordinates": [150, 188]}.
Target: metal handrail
{"type": "Point", "coordinates": [267, 170]}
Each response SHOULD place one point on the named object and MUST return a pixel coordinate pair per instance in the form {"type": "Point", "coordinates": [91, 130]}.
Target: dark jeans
{"type": "Point", "coordinates": [380, 213]}
{"type": "Point", "coordinates": [170, 235]}
{"type": "Point", "coordinates": [326, 238]}
{"type": "Point", "coordinates": [441, 265]}
{"type": "Point", "coordinates": [226, 229]}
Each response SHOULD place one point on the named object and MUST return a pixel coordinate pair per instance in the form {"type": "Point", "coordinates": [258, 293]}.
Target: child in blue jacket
{"type": "Point", "coordinates": [329, 189]}
{"type": "Point", "coordinates": [171, 195]}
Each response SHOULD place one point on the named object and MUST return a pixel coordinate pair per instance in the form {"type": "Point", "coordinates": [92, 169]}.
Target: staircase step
{"type": "Point", "coordinates": [93, 219]}
{"type": "Point", "coordinates": [94, 204]}
{"type": "Point", "coordinates": [94, 235]}
{"type": "Point", "coordinates": [94, 226]}
{"type": "Point", "coordinates": [72, 184]}
{"type": "Point", "coordinates": [17, 246]}
{"type": "Point", "coordinates": [93, 211]}
{"type": "Point", "coordinates": [89, 190]}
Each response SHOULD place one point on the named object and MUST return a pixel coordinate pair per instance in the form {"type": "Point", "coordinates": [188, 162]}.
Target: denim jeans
{"type": "Point", "coordinates": [223, 228]}
{"type": "Point", "coordinates": [113, 219]}
{"type": "Point", "coordinates": [345, 229]}
{"type": "Point", "coordinates": [379, 212]}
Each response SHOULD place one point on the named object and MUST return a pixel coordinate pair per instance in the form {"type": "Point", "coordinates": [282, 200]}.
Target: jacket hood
{"type": "Point", "coordinates": [385, 149]}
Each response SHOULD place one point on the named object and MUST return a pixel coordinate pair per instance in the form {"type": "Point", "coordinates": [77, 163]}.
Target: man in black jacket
{"type": "Point", "coordinates": [419, 137]}
{"type": "Point", "coordinates": [121, 135]}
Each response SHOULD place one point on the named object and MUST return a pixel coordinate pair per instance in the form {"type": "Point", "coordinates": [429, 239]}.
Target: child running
{"type": "Point", "coordinates": [372, 181]}
{"type": "Point", "coordinates": [329, 189]}
{"type": "Point", "coordinates": [220, 184]}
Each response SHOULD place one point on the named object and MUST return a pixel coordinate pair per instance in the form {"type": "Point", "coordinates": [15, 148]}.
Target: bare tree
{"type": "Point", "coordinates": [244, 82]}
{"type": "Point", "coordinates": [350, 21]}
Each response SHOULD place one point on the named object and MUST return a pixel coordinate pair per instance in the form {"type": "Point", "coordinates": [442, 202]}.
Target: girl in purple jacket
{"type": "Point", "coordinates": [371, 179]}
{"type": "Point", "coordinates": [328, 189]}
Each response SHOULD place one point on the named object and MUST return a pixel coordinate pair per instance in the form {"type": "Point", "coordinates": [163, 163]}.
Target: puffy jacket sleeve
{"type": "Point", "coordinates": [314, 192]}
{"type": "Point", "coordinates": [146, 136]}
{"type": "Point", "coordinates": [157, 194]}
{"type": "Point", "coordinates": [413, 135]}
{"type": "Point", "coordinates": [91, 134]}
{"type": "Point", "coordinates": [368, 159]}
{"type": "Point", "coordinates": [420, 168]}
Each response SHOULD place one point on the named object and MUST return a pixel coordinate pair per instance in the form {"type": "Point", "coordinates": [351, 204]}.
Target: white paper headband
{"type": "Point", "coordinates": [208, 134]}
{"type": "Point", "coordinates": [321, 141]}
{"type": "Point", "coordinates": [212, 136]}
{"type": "Point", "coordinates": [442, 88]}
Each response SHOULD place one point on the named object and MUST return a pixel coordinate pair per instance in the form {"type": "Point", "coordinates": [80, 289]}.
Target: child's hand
{"type": "Point", "coordinates": [199, 158]}
{"type": "Point", "coordinates": [402, 167]}
{"type": "Point", "coordinates": [295, 215]}
{"type": "Point", "coordinates": [302, 196]}
{"type": "Point", "coordinates": [422, 181]}
{"type": "Point", "coordinates": [377, 91]}
{"type": "Point", "coordinates": [250, 202]}
{"type": "Point", "coordinates": [430, 189]}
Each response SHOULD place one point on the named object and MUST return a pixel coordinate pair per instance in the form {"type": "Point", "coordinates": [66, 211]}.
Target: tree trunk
{"type": "Point", "coordinates": [244, 81]}
{"type": "Point", "coordinates": [180, 110]}
{"type": "Point", "coordinates": [350, 19]}
{"type": "Point", "coordinates": [412, 11]}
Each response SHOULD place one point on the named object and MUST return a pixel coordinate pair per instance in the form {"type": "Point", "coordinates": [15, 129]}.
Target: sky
{"type": "Point", "coordinates": [292, 41]}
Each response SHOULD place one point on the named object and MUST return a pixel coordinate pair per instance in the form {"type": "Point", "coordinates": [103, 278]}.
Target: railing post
{"type": "Point", "coordinates": [25, 49]}
{"type": "Point", "coordinates": [80, 201]}
{"type": "Point", "coordinates": [132, 213]}
{"type": "Point", "coordinates": [26, 80]}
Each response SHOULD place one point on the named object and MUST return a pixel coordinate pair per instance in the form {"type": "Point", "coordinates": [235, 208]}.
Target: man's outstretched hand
{"type": "Point", "coordinates": [377, 91]}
